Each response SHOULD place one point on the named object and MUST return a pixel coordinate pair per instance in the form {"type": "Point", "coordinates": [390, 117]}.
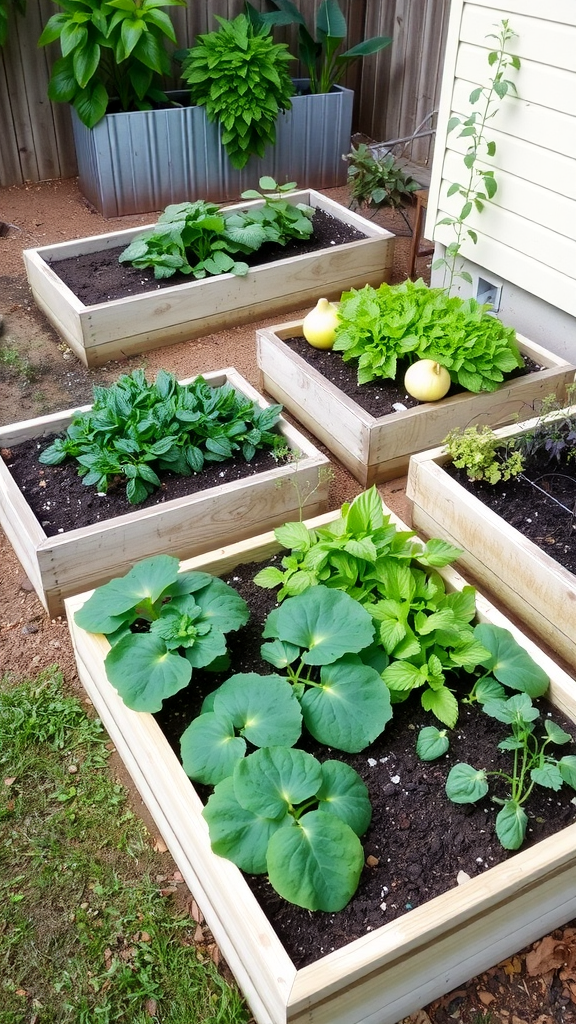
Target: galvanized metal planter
{"type": "Point", "coordinates": [141, 161]}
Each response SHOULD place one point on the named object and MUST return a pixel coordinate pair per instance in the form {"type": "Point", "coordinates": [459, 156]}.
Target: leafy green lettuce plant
{"type": "Point", "coordinates": [410, 321]}
{"type": "Point", "coordinates": [135, 430]}
{"type": "Point", "coordinates": [241, 78]}
{"type": "Point", "coordinates": [284, 813]}
{"type": "Point", "coordinates": [161, 624]}
{"type": "Point", "coordinates": [111, 49]}
{"type": "Point", "coordinates": [532, 765]}
{"type": "Point", "coordinates": [326, 66]}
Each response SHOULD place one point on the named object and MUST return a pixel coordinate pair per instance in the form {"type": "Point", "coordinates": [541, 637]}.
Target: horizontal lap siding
{"type": "Point", "coordinates": [394, 90]}
{"type": "Point", "coordinates": [527, 235]}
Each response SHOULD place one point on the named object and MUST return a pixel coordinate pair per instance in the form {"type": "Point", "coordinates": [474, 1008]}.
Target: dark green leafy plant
{"type": "Point", "coordinates": [409, 321]}
{"type": "Point", "coordinates": [241, 78]}
{"type": "Point", "coordinates": [532, 766]}
{"type": "Point", "coordinates": [135, 430]}
{"type": "Point", "coordinates": [111, 49]}
{"type": "Point", "coordinates": [377, 181]}
{"type": "Point", "coordinates": [7, 9]}
{"type": "Point", "coordinates": [554, 433]}
{"type": "Point", "coordinates": [480, 186]}
{"type": "Point", "coordinates": [198, 238]}
{"type": "Point", "coordinates": [483, 455]}
{"type": "Point", "coordinates": [326, 66]}
{"type": "Point", "coordinates": [284, 813]}
{"type": "Point", "coordinates": [181, 619]}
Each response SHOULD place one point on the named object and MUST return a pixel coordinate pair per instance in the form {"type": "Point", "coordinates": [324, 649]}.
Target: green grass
{"type": "Point", "coordinates": [17, 365]}
{"type": "Point", "coordinates": [86, 936]}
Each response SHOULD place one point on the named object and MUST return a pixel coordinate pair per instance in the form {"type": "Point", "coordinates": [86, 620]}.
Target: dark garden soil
{"type": "Point", "coordinates": [540, 504]}
{"type": "Point", "coordinates": [99, 277]}
{"type": "Point", "coordinates": [418, 844]}
{"type": "Point", "coordinates": [61, 502]}
{"type": "Point", "coordinates": [377, 397]}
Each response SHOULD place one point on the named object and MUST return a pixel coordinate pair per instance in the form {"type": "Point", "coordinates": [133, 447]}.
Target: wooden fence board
{"type": "Point", "coordinates": [394, 89]}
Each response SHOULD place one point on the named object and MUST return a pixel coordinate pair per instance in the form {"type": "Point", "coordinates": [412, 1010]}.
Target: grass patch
{"type": "Point", "coordinates": [85, 935]}
{"type": "Point", "coordinates": [17, 365]}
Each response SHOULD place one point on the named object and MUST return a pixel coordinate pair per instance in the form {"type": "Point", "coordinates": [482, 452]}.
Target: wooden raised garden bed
{"type": "Point", "coordinates": [526, 579]}
{"type": "Point", "coordinates": [89, 556]}
{"type": "Point", "coordinates": [123, 327]}
{"type": "Point", "coordinates": [388, 972]}
{"type": "Point", "coordinates": [375, 449]}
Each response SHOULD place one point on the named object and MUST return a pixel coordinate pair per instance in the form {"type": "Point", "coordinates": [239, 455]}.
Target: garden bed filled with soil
{"type": "Point", "coordinates": [96, 277]}
{"type": "Point", "coordinates": [418, 843]}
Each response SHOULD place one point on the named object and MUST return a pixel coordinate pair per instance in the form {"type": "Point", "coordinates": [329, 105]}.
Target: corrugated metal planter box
{"type": "Point", "coordinates": [519, 573]}
{"type": "Point", "coordinates": [90, 555]}
{"type": "Point", "coordinates": [141, 161]}
{"type": "Point", "coordinates": [388, 973]}
{"type": "Point", "coordinates": [376, 449]}
{"type": "Point", "coordinates": [124, 327]}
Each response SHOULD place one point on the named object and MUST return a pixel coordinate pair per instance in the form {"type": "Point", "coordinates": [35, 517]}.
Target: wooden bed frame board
{"type": "Point", "coordinates": [65, 564]}
{"type": "Point", "coordinates": [390, 972]}
{"type": "Point", "coordinates": [124, 327]}
{"type": "Point", "coordinates": [516, 571]}
{"type": "Point", "coordinates": [378, 449]}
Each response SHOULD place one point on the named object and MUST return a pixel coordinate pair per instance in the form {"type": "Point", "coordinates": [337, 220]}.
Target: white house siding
{"type": "Point", "coordinates": [527, 234]}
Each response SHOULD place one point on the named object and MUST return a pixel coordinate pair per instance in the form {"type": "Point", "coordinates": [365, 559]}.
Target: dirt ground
{"type": "Point", "coordinates": [38, 375]}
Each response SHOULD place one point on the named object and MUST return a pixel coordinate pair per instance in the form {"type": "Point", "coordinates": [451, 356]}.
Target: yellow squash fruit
{"type": "Point", "coordinates": [427, 381]}
{"type": "Point", "coordinates": [319, 325]}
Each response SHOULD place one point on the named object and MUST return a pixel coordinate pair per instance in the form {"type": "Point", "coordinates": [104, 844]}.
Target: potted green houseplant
{"type": "Point", "coordinates": [386, 972]}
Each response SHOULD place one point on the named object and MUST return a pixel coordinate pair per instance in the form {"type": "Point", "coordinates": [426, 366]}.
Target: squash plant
{"type": "Point", "coordinates": [136, 429]}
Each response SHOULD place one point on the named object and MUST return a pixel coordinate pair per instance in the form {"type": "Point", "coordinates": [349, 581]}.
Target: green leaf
{"type": "Point", "coordinates": [272, 779]}
{"type": "Point", "coordinates": [237, 833]}
{"type": "Point", "coordinates": [465, 784]}
{"type": "Point", "coordinates": [509, 662]}
{"type": "Point", "coordinates": [280, 653]}
{"type": "Point", "coordinates": [511, 824]}
{"type": "Point", "coordinates": [144, 583]}
{"type": "Point", "coordinates": [144, 672]}
{"type": "Point", "coordinates": [264, 708]}
{"type": "Point", "coordinates": [438, 552]}
{"type": "Point", "coordinates": [305, 869]}
{"type": "Point", "coordinates": [488, 689]}
{"type": "Point", "coordinates": [556, 734]}
{"type": "Point", "coordinates": [327, 623]}
{"type": "Point", "coordinates": [567, 768]}
{"type": "Point", "coordinates": [210, 748]}
{"type": "Point", "coordinates": [443, 704]}
{"type": "Point", "coordinates": [350, 706]}
{"type": "Point", "coordinates": [344, 794]}
{"type": "Point", "coordinates": [547, 775]}
{"type": "Point", "coordinates": [431, 743]}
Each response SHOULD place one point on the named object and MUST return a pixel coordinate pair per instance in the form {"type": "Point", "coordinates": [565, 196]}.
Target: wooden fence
{"type": "Point", "coordinates": [396, 90]}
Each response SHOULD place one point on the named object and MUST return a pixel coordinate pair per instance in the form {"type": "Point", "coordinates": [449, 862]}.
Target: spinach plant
{"type": "Point", "coordinates": [199, 238]}
{"type": "Point", "coordinates": [161, 625]}
{"type": "Point", "coordinates": [381, 326]}
{"type": "Point", "coordinates": [377, 181]}
{"type": "Point", "coordinates": [241, 78]}
{"type": "Point", "coordinates": [479, 186]}
{"type": "Point", "coordinates": [325, 64]}
{"type": "Point", "coordinates": [111, 49]}
{"type": "Point", "coordinates": [483, 455]}
{"type": "Point", "coordinates": [284, 813]}
{"type": "Point", "coordinates": [135, 430]}
{"type": "Point", "coordinates": [532, 765]}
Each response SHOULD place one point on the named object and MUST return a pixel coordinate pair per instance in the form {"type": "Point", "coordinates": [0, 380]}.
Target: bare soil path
{"type": "Point", "coordinates": [38, 375]}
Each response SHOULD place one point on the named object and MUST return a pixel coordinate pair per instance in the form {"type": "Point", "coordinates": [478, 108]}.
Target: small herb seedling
{"type": "Point", "coordinates": [532, 766]}
{"type": "Point", "coordinates": [483, 455]}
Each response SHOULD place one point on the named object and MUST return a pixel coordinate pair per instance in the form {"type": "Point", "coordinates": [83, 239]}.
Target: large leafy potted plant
{"type": "Point", "coordinates": [163, 148]}
{"type": "Point", "coordinates": [394, 968]}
